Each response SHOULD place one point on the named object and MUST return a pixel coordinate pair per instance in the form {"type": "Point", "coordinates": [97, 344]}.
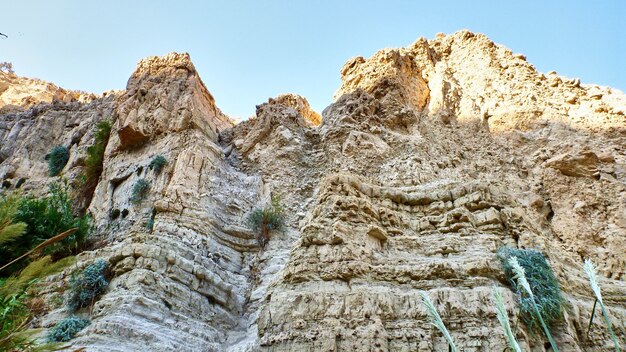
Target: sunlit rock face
{"type": "Point", "coordinates": [20, 93]}
{"type": "Point", "coordinates": [430, 158]}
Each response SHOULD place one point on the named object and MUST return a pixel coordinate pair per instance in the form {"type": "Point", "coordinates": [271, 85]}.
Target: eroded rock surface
{"type": "Point", "coordinates": [19, 93]}
{"type": "Point", "coordinates": [430, 158]}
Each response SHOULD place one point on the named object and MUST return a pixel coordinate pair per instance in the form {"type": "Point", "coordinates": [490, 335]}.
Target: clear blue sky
{"type": "Point", "coordinates": [247, 51]}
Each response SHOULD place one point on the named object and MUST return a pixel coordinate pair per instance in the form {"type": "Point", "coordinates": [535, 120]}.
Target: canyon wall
{"type": "Point", "coordinates": [430, 158]}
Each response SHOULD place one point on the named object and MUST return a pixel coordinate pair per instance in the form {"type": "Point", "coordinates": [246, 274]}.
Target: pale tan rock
{"type": "Point", "coordinates": [431, 158]}
{"type": "Point", "coordinates": [584, 164]}
{"type": "Point", "coordinates": [18, 93]}
{"type": "Point", "coordinates": [156, 101]}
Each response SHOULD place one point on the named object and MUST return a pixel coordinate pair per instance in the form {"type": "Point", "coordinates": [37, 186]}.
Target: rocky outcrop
{"type": "Point", "coordinates": [29, 135]}
{"type": "Point", "coordinates": [430, 158]}
{"type": "Point", "coordinates": [18, 93]}
{"type": "Point", "coordinates": [158, 100]}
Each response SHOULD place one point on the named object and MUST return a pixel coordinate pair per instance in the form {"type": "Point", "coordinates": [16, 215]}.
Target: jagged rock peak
{"type": "Point", "coordinates": [153, 65]}
{"type": "Point", "coordinates": [467, 77]}
{"type": "Point", "coordinates": [20, 93]}
{"type": "Point", "coordinates": [394, 194]}
{"type": "Point", "coordinates": [300, 104]}
{"type": "Point", "coordinates": [166, 94]}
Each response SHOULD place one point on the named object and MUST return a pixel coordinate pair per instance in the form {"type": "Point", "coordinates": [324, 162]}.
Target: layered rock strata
{"type": "Point", "coordinates": [430, 158]}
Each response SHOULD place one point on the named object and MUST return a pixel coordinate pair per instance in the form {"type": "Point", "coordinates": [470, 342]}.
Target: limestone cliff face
{"type": "Point", "coordinates": [18, 93]}
{"type": "Point", "coordinates": [431, 157]}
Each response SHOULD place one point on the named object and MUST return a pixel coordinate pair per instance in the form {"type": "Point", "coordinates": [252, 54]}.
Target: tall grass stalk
{"type": "Point", "coordinates": [10, 231]}
{"type": "Point", "coordinates": [435, 320]}
{"type": "Point", "coordinates": [522, 282]}
{"type": "Point", "coordinates": [503, 318]}
{"type": "Point", "coordinates": [590, 270]}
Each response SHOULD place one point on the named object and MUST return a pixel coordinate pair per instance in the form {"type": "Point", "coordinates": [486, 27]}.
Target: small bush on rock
{"type": "Point", "coordinates": [158, 163]}
{"type": "Point", "coordinates": [66, 329]}
{"type": "Point", "coordinates": [150, 222]}
{"type": "Point", "coordinates": [57, 158]}
{"type": "Point", "coordinates": [114, 214]}
{"type": "Point", "coordinates": [140, 191]}
{"type": "Point", "coordinates": [265, 220]}
{"type": "Point", "coordinates": [87, 286]}
{"type": "Point", "coordinates": [543, 283]}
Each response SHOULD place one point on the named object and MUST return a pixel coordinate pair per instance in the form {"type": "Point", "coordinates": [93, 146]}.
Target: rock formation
{"type": "Point", "coordinates": [430, 158]}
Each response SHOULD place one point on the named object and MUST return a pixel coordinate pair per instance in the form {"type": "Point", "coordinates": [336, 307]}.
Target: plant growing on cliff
{"type": "Point", "coordinates": [590, 270]}
{"type": "Point", "coordinates": [17, 308]}
{"type": "Point", "coordinates": [150, 222]}
{"type": "Point", "coordinates": [544, 285]}
{"type": "Point", "coordinates": [140, 191]}
{"type": "Point", "coordinates": [66, 329]}
{"type": "Point", "coordinates": [158, 163]}
{"type": "Point", "coordinates": [57, 158]}
{"type": "Point", "coordinates": [46, 219]}
{"type": "Point", "coordinates": [87, 286]}
{"type": "Point", "coordinates": [435, 320]}
{"type": "Point", "coordinates": [503, 318]}
{"type": "Point", "coordinates": [95, 153]}
{"type": "Point", "coordinates": [524, 288]}
{"type": "Point", "coordinates": [265, 220]}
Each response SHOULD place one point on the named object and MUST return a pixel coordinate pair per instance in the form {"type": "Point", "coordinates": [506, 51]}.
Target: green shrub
{"type": "Point", "coordinates": [87, 286]}
{"type": "Point", "coordinates": [57, 158]}
{"type": "Point", "coordinates": [265, 220]}
{"type": "Point", "coordinates": [95, 153]}
{"type": "Point", "coordinates": [158, 163]}
{"type": "Point", "coordinates": [150, 222]}
{"type": "Point", "coordinates": [45, 218]}
{"type": "Point", "coordinates": [66, 329]}
{"type": "Point", "coordinates": [140, 191]}
{"type": "Point", "coordinates": [543, 283]}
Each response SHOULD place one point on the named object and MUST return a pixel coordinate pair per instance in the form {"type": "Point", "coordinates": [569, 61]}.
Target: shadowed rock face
{"type": "Point", "coordinates": [431, 158]}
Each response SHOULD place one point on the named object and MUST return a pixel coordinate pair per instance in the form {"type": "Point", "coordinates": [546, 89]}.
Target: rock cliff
{"type": "Point", "coordinates": [430, 158]}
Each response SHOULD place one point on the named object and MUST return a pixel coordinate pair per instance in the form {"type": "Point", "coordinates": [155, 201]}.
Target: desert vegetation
{"type": "Point", "coordinates": [57, 159]}
{"type": "Point", "coordinates": [87, 285]}
{"type": "Point", "coordinates": [140, 191]}
{"type": "Point", "coordinates": [158, 163]}
{"type": "Point", "coordinates": [34, 220]}
{"type": "Point", "coordinates": [503, 318]}
{"type": "Point", "coordinates": [590, 270]}
{"type": "Point", "coordinates": [435, 320]}
{"type": "Point", "coordinates": [66, 329]}
{"type": "Point", "coordinates": [546, 302]}
{"type": "Point", "coordinates": [38, 236]}
{"type": "Point", "coordinates": [266, 220]}
{"type": "Point", "coordinates": [95, 152]}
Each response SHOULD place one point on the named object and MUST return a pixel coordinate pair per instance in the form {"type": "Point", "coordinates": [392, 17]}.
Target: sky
{"type": "Point", "coordinates": [248, 51]}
